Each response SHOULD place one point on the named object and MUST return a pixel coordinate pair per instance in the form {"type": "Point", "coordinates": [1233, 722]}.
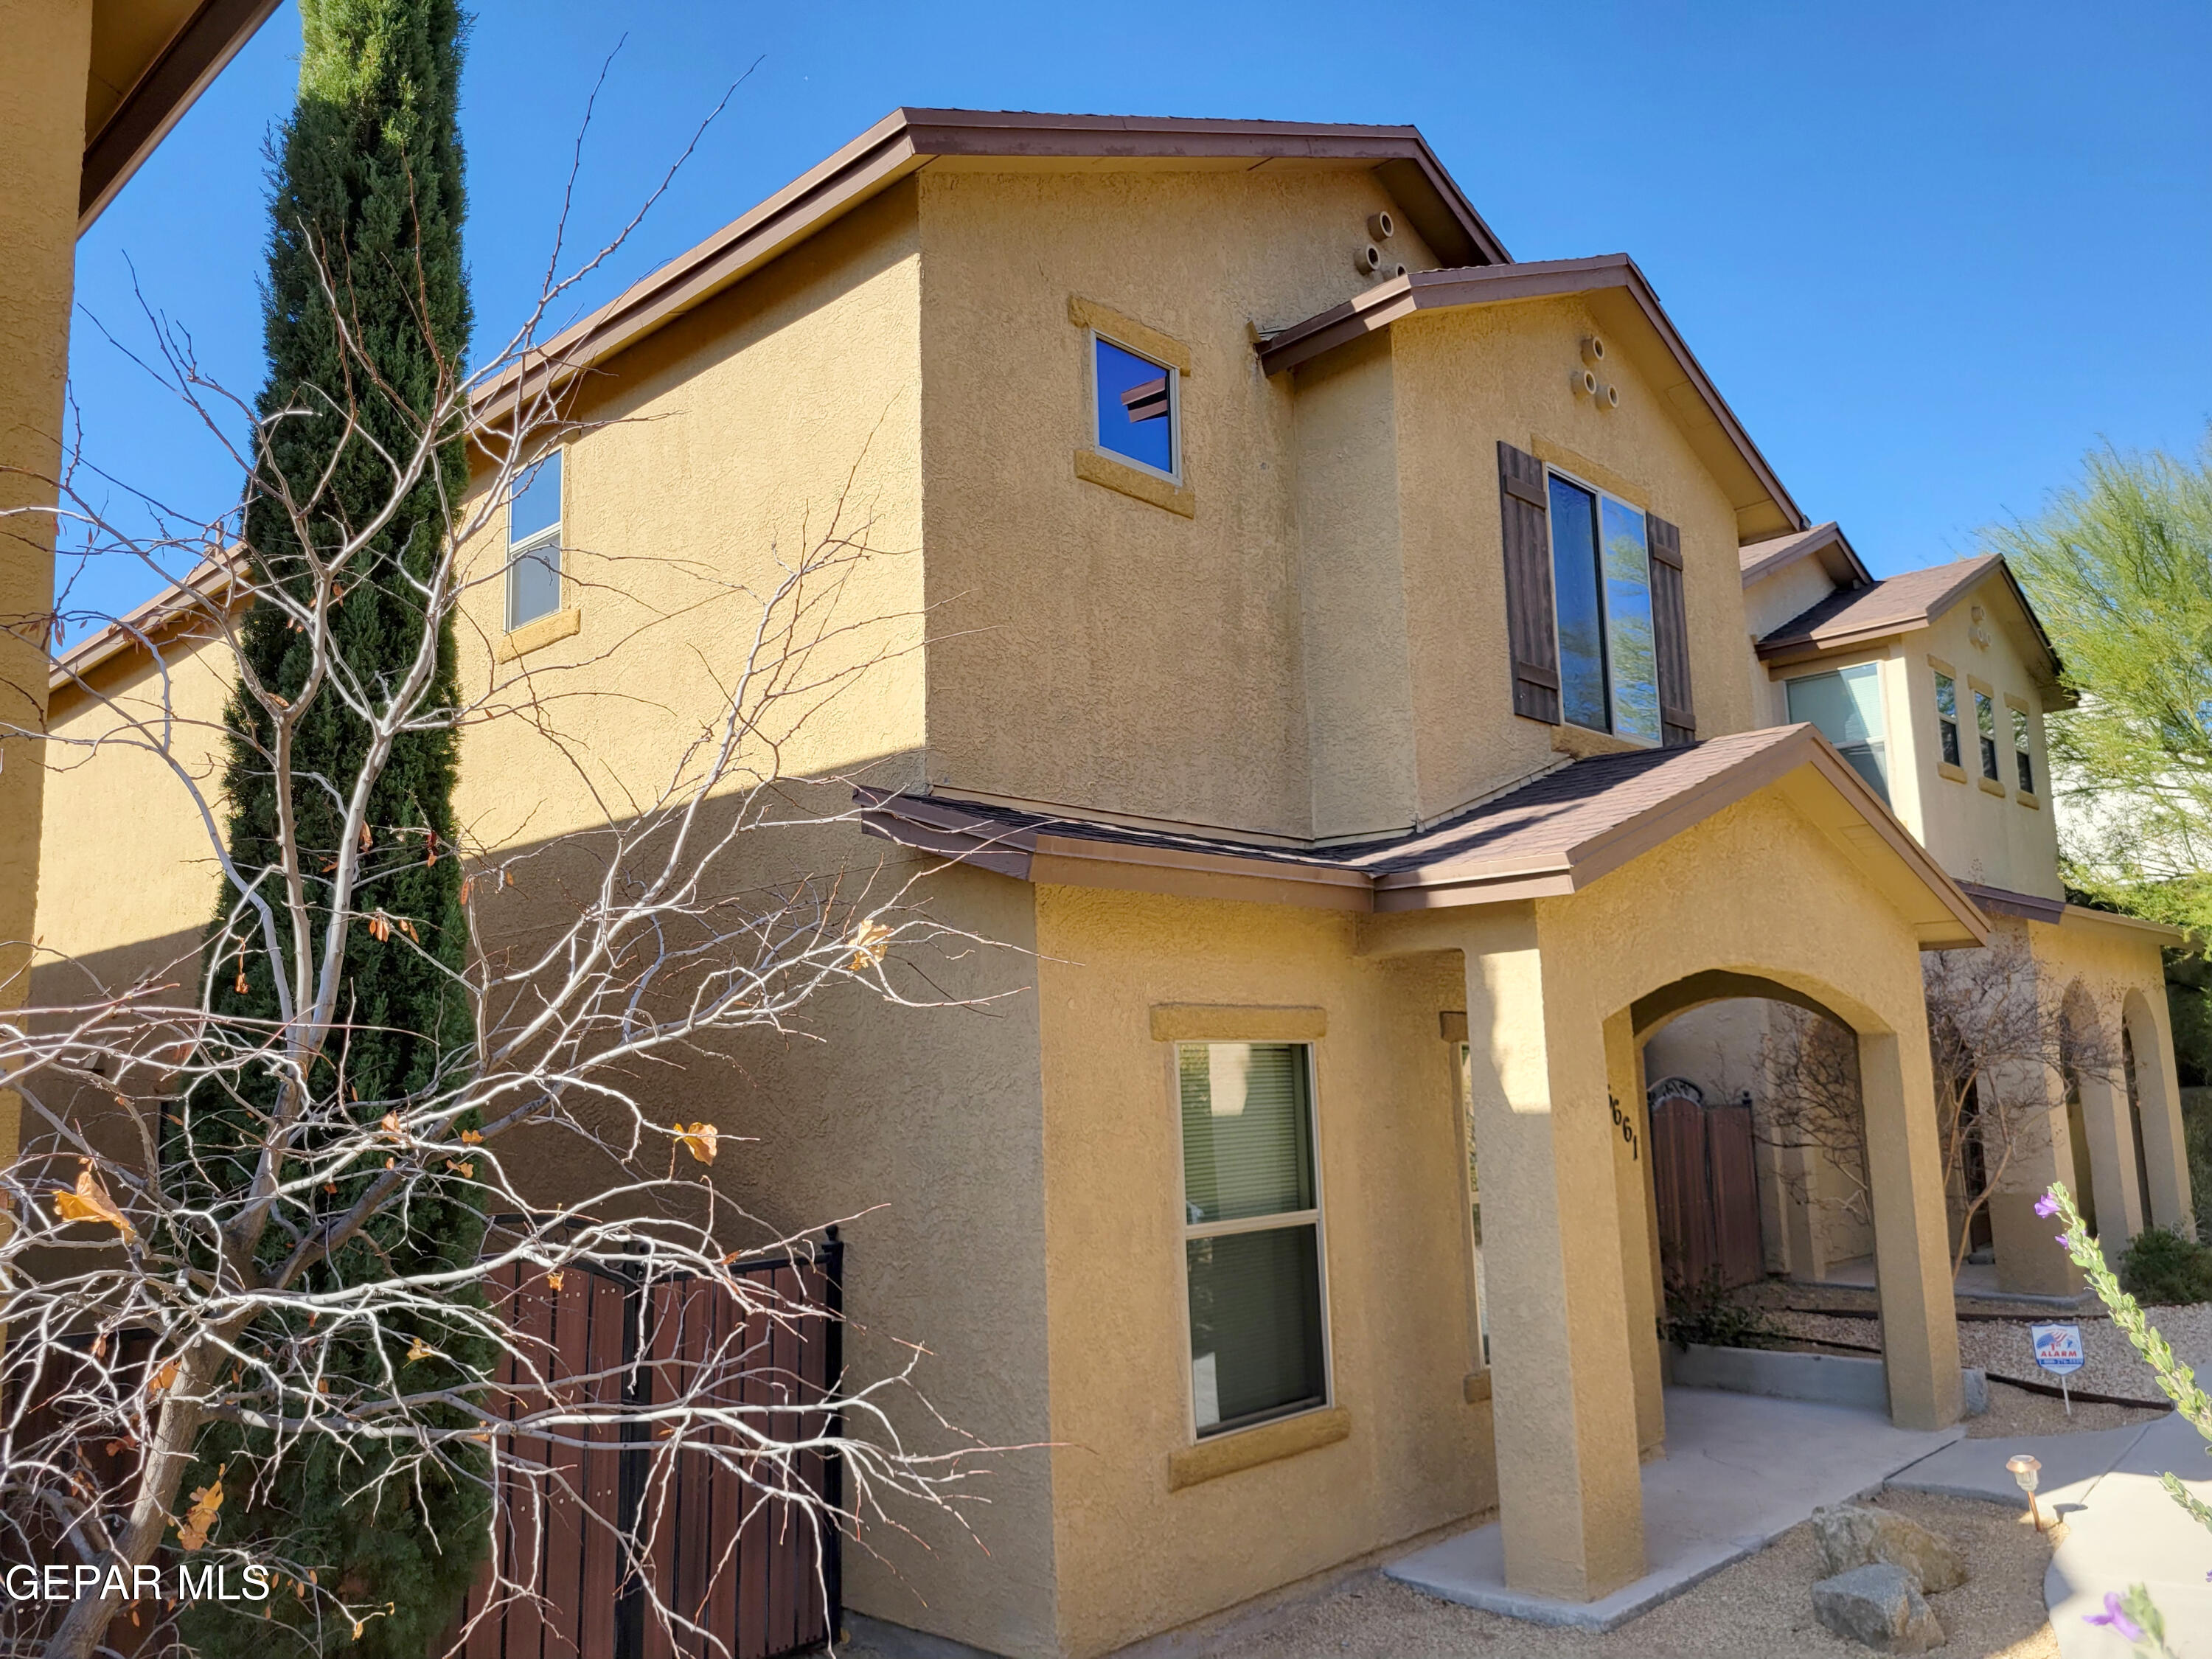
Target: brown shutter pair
{"type": "Point", "coordinates": [1531, 624]}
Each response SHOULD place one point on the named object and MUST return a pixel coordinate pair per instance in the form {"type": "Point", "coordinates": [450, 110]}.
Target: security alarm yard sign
{"type": "Point", "coordinates": [2057, 1347]}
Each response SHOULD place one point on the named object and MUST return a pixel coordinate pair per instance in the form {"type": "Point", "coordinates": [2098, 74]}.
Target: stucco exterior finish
{"type": "Point", "coordinates": [42, 106]}
{"type": "Point", "coordinates": [1134, 1556]}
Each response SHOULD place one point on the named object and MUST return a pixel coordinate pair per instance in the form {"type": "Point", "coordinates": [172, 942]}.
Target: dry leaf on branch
{"type": "Point", "coordinates": [199, 1521]}
{"type": "Point", "coordinates": [419, 1350]}
{"type": "Point", "coordinates": [163, 1379]}
{"type": "Point", "coordinates": [553, 1277]}
{"type": "Point", "coordinates": [90, 1202]}
{"type": "Point", "coordinates": [868, 941]}
{"type": "Point", "coordinates": [380, 928]}
{"type": "Point", "coordinates": [701, 1140]}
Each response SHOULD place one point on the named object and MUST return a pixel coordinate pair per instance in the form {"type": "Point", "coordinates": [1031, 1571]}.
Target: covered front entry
{"type": "Point", "coordinates": [1782, 894]}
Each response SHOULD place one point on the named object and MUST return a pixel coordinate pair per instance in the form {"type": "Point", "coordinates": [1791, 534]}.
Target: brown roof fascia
{"type": "Point", "coordinates": [208, 585]}
{"type": "Point", "coordinates": [1424, 290]}
{"type": "Point", "coordinates": [182, 71]}
{"type": "Point", "coordinates": [906, 140]}
{"type": "Point", "coordinates": [2084, 914]}
{"type": "Point", "coordinates": [2004, 901]}
{"type": "Point", "coordinates": [1782, 648]}
{"type": "Point", "coordinates": [1783, 551]}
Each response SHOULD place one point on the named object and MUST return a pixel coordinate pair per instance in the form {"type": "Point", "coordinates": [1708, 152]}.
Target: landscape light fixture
{"type": "Point", "coordinates": [2023, 1469]}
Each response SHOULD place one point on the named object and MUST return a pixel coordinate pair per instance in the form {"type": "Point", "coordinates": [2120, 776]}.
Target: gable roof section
{"type": "Point", "coordinates": [1625, 304]}
{"type": "Point", "coordinates": [1856, 617]}
{"type": "Point", "coordinates": [1551, 837]}
{"type": "Point", "coordinates": [1826, 541]}
{"type": "Point", "coordinates": [908, 140]}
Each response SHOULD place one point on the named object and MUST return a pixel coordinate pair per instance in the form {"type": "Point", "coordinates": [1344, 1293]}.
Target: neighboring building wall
{"type": "Point", "coordinates": [1136, 1557]}
{"type": "Point", "coordinates": [1098, 650]}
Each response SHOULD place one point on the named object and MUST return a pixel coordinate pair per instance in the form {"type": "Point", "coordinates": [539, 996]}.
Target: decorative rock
{"type": "Point", "coordinates": [1879, 1606]}
{"type": "Point", "coordinates": [1852, 1535]}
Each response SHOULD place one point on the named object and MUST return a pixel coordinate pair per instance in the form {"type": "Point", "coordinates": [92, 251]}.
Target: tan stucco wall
{"type": "Point", "coordinates": [1463, 380]}
{"type": "Point", "coordinates": [1774, 598]}
{"type": "Point", "coordinates": [42, 82]}
{"type": "Point", "coordinates": [1135, 1557]}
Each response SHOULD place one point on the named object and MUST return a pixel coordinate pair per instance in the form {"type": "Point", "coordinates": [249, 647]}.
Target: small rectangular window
{"type": "Point", "coordinates": [1139, 408]}
{"type": "Point", "coordinates": [1602, 589]}
{"type": "Point", "coordinates": [2022, 758]}
{"type": "Point", "coordinates": [1251, 1233]}
{"type": "Point", "coordinates": [1946, 717]}
{"type": "Point", "coordinates": [1986, 724]}
{"type": "Point", "coordinates": [533, 543]}
{"type": "Point", "coordinates": [1845, 707]}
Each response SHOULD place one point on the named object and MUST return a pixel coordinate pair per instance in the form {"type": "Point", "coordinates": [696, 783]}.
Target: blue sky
{"type": "Point", "coordinates": [1930, 254]}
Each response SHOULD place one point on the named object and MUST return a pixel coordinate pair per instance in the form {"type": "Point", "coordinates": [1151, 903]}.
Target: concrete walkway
{"type": "Point", "coordinates": [2122, 1528]}
{"type": "Point", "coordinates": [1740, 1471]}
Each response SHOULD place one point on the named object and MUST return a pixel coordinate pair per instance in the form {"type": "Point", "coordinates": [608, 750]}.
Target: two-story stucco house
{"type": "Point", "coordinates": [1318, 647]}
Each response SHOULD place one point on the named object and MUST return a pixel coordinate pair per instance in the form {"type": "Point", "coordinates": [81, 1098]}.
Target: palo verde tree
{"type": "Point", "coordinates": [367, 323]}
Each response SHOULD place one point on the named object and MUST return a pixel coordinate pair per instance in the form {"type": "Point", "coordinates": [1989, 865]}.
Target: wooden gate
{"type": "Point", "coordinates": [608, 1518]}
{"type": "Point", "coordinates": [1706, 1181]}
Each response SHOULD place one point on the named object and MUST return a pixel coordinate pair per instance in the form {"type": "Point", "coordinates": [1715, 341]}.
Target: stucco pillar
{"type": "Point", "coordinates": [2158, 1093]}
{"type": "Point", "coordinates": [2028, 1258]}
{"type": "Point", "coordinates": [1563, 1382]}
{"type": "Point", "coordinates": [2111, 1155]}
{"type": "Point", "coordinates": [1912, 1262]}
{"type": "Point", "coordinates": [43, 64]}
{"type": "Point", "coordinates": [1637, 1201]}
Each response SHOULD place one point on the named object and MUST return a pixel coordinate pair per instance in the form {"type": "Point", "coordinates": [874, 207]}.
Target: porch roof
{"type": "Point", "coordinates": [1547, 838]}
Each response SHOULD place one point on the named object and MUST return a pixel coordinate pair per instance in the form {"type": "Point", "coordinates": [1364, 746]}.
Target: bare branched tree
{"type": "Point", "coordinates": [152, 1294]}
{"type": "Point", "coordinates": [2001, 1045]}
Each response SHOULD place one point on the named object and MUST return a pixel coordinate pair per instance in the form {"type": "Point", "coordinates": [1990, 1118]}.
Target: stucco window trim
{"type": "Point", "coordinates": [533, 636]}
{"type": "Point", "coordinates": [1221, 1022]}
{"type": "Point", "coordinates": [1093, 465]}
{"type": "Point", "coordinates": [1991, 787]}
{"type": "Point", "coordinates": [1945, 770]}
{"type": "Point", "coordinates": [1264, 1442]}
{"type": "Point", "coordinates": [2027, 798]}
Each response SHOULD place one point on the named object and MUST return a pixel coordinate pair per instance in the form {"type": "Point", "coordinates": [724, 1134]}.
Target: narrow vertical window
{"type": "Point", "coordinates": [1985, 723]}
{"type": "Point", "coordinates": [533, 544]}
{"type": "Point", "coordinates": [1138, 408]}
{"type": "Point", "coordinates": [1251, 1232]}
{"type": "Point", "coordinates": [1946, 717]}
{"type": "Point", "coordinates": [1845, 706]}
{"type": "Point", "coordinates": [2022, 758]}
{"type": "Point", "coordinates": [1581, 609]}
{"type": "Point", "coordinates": [1629, 651]}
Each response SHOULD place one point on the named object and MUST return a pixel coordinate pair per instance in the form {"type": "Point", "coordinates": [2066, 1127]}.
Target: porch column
{"type": "Point", "coordinates": [2111, 1154]}
{"type": "Point", "coordinates": [42, 76]}
{"type": "Point", "coordinates": [1564, 1392]}
{"type": "Point", "coordinates": [2029, 1259]}
{"type": "Point", "coordinates": [2158, 1090]}
{"type": "Point", "coordinates": [1637, 1201]}
{"type": "Point", "coordinates": [1912, 1262]}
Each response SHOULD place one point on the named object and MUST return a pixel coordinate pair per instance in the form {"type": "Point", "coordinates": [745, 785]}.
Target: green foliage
{"type": "Point", "coordinates": [367, 194]}
{"type": "Point", "coordinates": [2120, 570]}
{"type": "Point", "coordinates": [1712, 1314]}
{"type": "Point", "coordinates": [2165, 1268]}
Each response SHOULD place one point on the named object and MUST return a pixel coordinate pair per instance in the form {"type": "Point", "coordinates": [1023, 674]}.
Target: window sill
{"type": "Point", "coordinates": [1991, 787]}
{"type": "Point", "coordinates": [554, 625]}
{"type": "Point", "coordinates": [1248, 1449]}
{"type": "Point", "coordinates": [2026, 798]}
{"type": "Point", "coordinates": [1945, 770]}
{"type": "Point", "coordinates": [1092, 467]}
{"type": "Point", "coordinates": [1582, 743]}
{"type": "Point", "coordinates": [1476, 1388]}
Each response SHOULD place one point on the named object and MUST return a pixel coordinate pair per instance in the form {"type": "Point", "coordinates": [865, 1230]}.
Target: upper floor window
{"type": "Point", "coordinates": [1138, 408]}
{"type": "Point", "coordinates": [1845, 706]}
{"type": "Point", "coordinates": [1601, 587]}
{"type": "Point", "coordinates": [1985, 723]}
{"type": "Point", "coordinates": [1251, 1232]}
{"type": "Point", "coordinates": [1946, 716]}
{"type": "Point", "coordinates": [533, 544]}
{"type": "Point", "coordinates": [2021, 758]}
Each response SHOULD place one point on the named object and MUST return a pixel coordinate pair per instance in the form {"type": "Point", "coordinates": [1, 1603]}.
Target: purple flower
{"type": "Point", "coordinates": [2046, 1205]}
{"type": "Point", "coordinates": [2122, 1624]}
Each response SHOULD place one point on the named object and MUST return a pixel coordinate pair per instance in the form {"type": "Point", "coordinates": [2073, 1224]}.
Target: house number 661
{"type": "Point", "coordinates": [1627, 1126]}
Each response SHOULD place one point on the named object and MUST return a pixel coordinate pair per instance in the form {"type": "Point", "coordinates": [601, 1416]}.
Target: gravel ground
{"type": "Point", "coordinates": [1760, 1608]}
{"type": "Point", "coordinates": [2015, 1414]}
{"type": "Point", "coordinates": [2001, 1346]}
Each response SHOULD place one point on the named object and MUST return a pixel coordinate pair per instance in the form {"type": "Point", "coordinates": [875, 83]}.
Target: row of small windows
{"type": "Point", "coordinates": [1844, 704]}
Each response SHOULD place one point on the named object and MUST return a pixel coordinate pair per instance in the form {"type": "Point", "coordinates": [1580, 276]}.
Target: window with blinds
{"type": "Point", "coordinates": [1845, 705]}
{"type": "Point", "coordinates": [1252, 1233]}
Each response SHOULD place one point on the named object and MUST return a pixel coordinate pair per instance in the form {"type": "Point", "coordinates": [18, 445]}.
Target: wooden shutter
{"type": "Point", "coordinates": [1531, 626]}
{"type": "Point", "coordinates": [1670, 631]}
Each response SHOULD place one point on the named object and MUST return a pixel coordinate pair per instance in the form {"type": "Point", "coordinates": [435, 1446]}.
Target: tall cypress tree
{"type": "Point", "coordinates": [366, 197]}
